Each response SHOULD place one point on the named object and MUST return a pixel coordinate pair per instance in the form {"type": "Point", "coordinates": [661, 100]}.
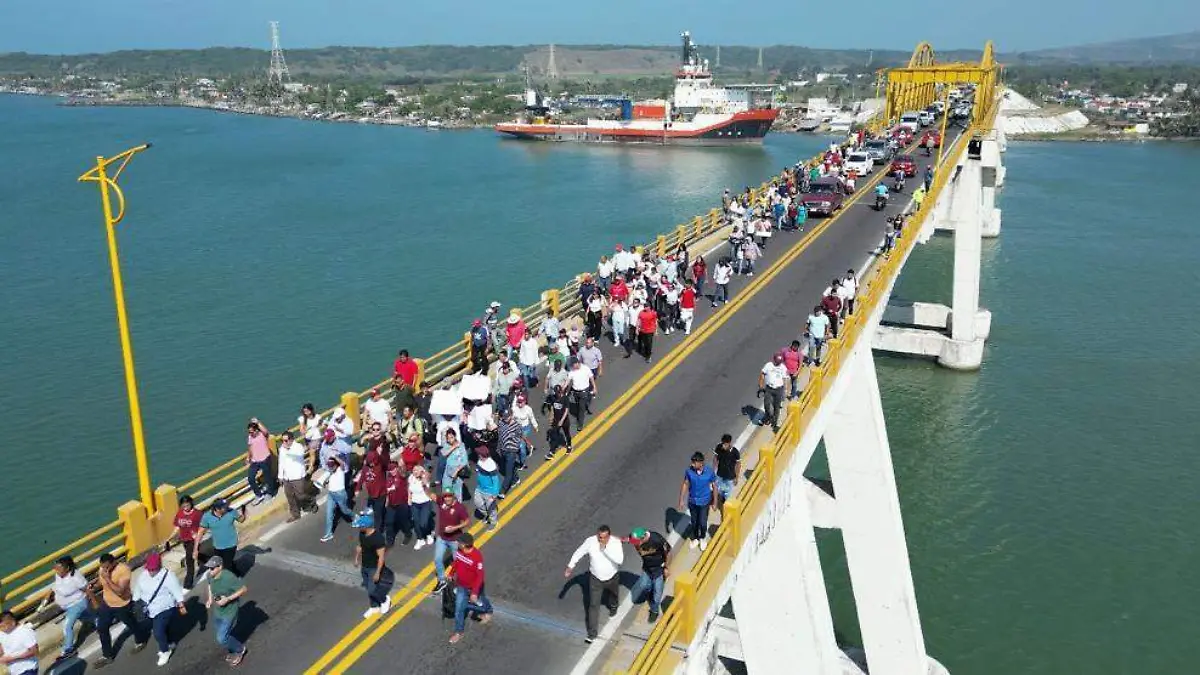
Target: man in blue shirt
{"type": "Point", "coordinates": [698, 494]}
{"type": "Point", "coordinates": [221, 522]}
{"type": "Point", "coordinates": [818, 330]}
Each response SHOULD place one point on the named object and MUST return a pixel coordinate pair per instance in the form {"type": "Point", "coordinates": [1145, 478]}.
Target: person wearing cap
{"type": "Point", "coordinates": [487, 485]}
{"type": "Point", "coordinates": [773, 381]}
{"type": "Point", "coordinates": [116, 604]}
{"type": "Point", "coordinates": [467, 571]}
{"type": "Point", "coordinates": [187, 526]}
{"type": "Point", "coordinates": [258, 461]}
{"type": "Point", "coordinates": [221, 521]}
{"type": "Point", "coordinates": [163, 597]}
{"type": "Point", "coordinates": [491, 319]}
{"type": "Point", "coordinates": [452, 519]}
{"type": "Point", "coordinates": [654, 550]}
{"type": "Point", "coordinates": [504, 376]}
{"type": "Point", "coordinates": [377, 410]}
{"type": "Point", "coordinates": [332, 446]}
{"type": "Point", "coordinates": [479, 337]}
{"type": "Point", "coordinates": [224, 600]}
{"type": "Point", "coordinates": [343, 426]}
{"type": "Point", "coordinates": [334, 483]}
{"type": "Point", "coordinates": [371, 557]}
{"type": "Point", "coordinates": [605, 557]}
{"type": "Point", "coordinates": [372, 478]}
{"type": "Point", "coordinates": [586, 288]}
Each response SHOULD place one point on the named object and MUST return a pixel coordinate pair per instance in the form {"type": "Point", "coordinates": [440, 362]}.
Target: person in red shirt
{"type": "Point", "coordinates": [373, 477]}
{"type": "Point", "coordinates": [832, 305]}
{"type": "Point", "coordinates": [793, 359]}
{"type": "Point", "coordinates": [413, 453]}
{"type": "Point", "coordinates": [187, 523]}
{"type": "Point", "coordinates": [468, 592]}
{"type": "Point", "coordinates": [647, 326]}
{"type": "Point", "coordinates": [699, 272]}
{"type": "Point", "coordinates": [687, 308]}
{"type": "Point", "coordinates": [618, 290]}
{"type": "Point", "coordinates": [398, 517]}
{"type": "Point", "coordinates": [452, 519]}
{"type": "Point", "coordinates": [405, 369]}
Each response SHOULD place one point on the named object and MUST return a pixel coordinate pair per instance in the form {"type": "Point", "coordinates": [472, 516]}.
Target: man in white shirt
{"type": "Point", "coordinates": [847, 292]}
{"type": "Point", "coordinates": [721, 277]}
{"type": "Point", "coordinates": [18, 646]}
{"type": "Point", "coordinates": [293, 473]}
{"type": "Point", "coordinates": [771, 383]}
{"type": "Point", "coordinates": [378, 410]}
{"type": "Point", "coordinates": [583, 389]}
{"type": "Point", "coordinates": [342, 426]}
{"type": "Point", "coordinates": [605, 556]}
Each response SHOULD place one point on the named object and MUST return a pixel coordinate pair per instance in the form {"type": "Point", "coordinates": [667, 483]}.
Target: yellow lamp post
{"type": "Point", "coordinates": [109, 187]}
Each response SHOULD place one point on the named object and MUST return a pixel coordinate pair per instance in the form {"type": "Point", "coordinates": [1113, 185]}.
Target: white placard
{"type": "Point", "coordinates": [474, 387]}
{"type": "Point", "coordinates": [445, 402]}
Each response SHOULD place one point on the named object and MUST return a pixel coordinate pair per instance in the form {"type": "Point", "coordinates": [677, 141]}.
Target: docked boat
{"type": "Point", "coordinates": [699, 113]}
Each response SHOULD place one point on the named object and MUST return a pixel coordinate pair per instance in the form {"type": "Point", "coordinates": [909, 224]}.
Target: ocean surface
{"type": "Point", "coordinates": [1047, 498]}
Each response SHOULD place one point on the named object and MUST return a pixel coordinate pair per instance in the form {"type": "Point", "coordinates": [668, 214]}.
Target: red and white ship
{"type": "Point", "coordinates": [700, 113]}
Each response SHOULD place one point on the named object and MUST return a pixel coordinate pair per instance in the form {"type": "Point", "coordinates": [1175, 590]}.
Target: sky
{"type": "Point", "coordinates": [81, 26]}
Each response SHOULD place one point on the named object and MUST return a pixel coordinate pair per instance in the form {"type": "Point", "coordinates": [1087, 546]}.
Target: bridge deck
{"type": "Point", "coordinates": [305, 594]}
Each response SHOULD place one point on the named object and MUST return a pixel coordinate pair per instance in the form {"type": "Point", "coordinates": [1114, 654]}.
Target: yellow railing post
{"type": "Point", "coordinates": [766, 461]}
{"type": "Point", "coordinates": [793, 418]}
{"type": "Point", "coordinates": [661, 245]}
{"type": "Point", "coordinates": [680, 235]}
{"type": "Point", "coordinates": [420, 373]}
{"type": "Point", "coordinates": [135, 521]}
{"type": "Point", "coordinates": [731, 516]}
{"type": "Point", "coordinates": [551, 300]}
{"type": "Point", "coordinates": [685, 597]}
{"type": "Point", "coordinates": [167, 498]}
{"type": "Point", "coordinates": [697, 228]}
{"type": "Point", "coordinates": [714, 220]}
{"type": "Point", "coordinates": [466, 342]}
{"type": "Point", "coordinates": [350, 403]}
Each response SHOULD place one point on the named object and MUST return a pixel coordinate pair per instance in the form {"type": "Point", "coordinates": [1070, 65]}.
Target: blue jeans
{"type": "Point", "coordinates": [377, 592]}
{"type": "Point", "coordinates": [724, 487]}
{"type": "Point", "coordinates": [721, 294]}
{"type": "Point", "coordinates": [337, 502]}
{"type": "Point", "coordinates": [223, 631]}
{"type": "Point", "coordinates": [463, 604]}
{"type": "Point", "coordinates": [510, 471]}
{"type": "Point", "coordinates": [814, 348]}
{"type": "Point", "coordinates": [160, 623]}
{"type": "Point", "coordinates": [421, 516]}
{"type": "Point", "coordinates": [501, 402]}
{"type": "Point", "coordinates": [76, 612]}
{"type": "Point", "coordinates": [652, 584]}
{"type": "Point", "coordinates": [700, 288]}
{"type": "Point", "coordinates": [268, 486]}
{"type": "Point", "coordinates": [528, 373]}
{"type": "Point", "coordinates": [440, 546]}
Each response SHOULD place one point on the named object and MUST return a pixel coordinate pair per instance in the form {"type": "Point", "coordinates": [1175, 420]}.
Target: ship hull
{"type": "Point", "coordinates": [737, 129]}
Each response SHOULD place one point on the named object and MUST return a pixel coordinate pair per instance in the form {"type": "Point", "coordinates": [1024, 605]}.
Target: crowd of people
{"type": "Point", "coordinates": [410, 468]}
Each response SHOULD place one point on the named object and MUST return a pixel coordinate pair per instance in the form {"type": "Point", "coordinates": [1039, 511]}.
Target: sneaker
{"type": "Point", "coordinates": [455, 637]}
{"type": "Point", "coordinates": [371, 611]}
{"type": "Point", "coordinates": [163, 657]}
{"type": "Point", "coordinates": [387, 604]}
{"type": "Point", "coordinates": [326, 538]}
{"type": "Point", "coordinates": [102, 661]}
{"type": "Point", "coordinates": [486, 618]}
{"type": "Point", "coordinates": [590, 639]}
{"type": "Point", "coordinates": [652, 618]}
{"type": "Point", "coordinates": [139, 647]}
{"type": "Point", "coordinates": [647, 359]}
{"type": "Point", "coordinates": [612, 611]}
{"type": "Point", "coordinates": [429, 540]}
{"type": "Point", "coordinates": [238, 658]}
{"type": "Point", "coordinates": [549, 456]}
{"type": "Point", "coordinates": [692, 543]}
{"type": "Point", "coordinates": [441, 586]}
{"type": "Point", "coordinates": [419, 545]}
{"type": "Point", "coordinates": [703, 544]}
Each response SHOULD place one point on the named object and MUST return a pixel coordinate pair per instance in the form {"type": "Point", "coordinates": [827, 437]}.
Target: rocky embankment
{"type": "Point", "coordinates": [1021, 117]}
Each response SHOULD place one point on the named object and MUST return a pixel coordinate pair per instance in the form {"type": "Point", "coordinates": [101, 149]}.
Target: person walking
{"type": "Point", "coordinates": [687, 307]}
{"type": "Point", "coordinates": [699, 273]}
{"type": "Point", "coordinates": [163, 598]}
{"type": "Point", "coordinates": [654, 551]}
{"type": "Point", "coordinates": [337, 501]}
{"type": "Point", "coordinates": [71, 592]}
{"type": "Point", "coordinates": [727, 463]}
{"type": "Point", "coordinates": [583, 389]}
{"type": "Point", "coordinates": [398, 517]}
{"type": "Point", "coordinates": [818, 332]}
{"type": "Point", "coordinates": [772, 382]}
{"type": "Point", "coordinates": [293, 475]}
{"type": "Point", "coordinates": [116, 604]}
{"type": "Point", "coordinates": [371, 557]}
{"type": "Point", "coordinates": [510, 446]}
{"type": "Point", "coordinates": [848, 292]}
{"type": "Point", "coordinates": [469, 596]}
{"type": "Point", "coordinates": [221, 521]}
{"type": "Point", "coordinates": [647, 320]}
{"type": "Point", "coordinates": [452, 519]}
{"type": "Point", "coordinates": [698, 495]}
{"type": "Point", "coordinates": [558, 431]}
{"type": "Point", "coordinates": [605, 557]}
{"type": "Point", "coordinates": [421, 505]}
{"type": "Point", "coordinates": [372, 478]}
{"type": "Point", "coordinates": [793, 360]}
{"type": "Point", "coordinates": [487, 487]}
{"type": "Point", "coordinates": [224, 601]}
{"type": "Point", "coordinates": [18, 645]}
{"type": "Point", "coordinates": [187, 526]}
{"type": "Point", "coordinates": [721, 276]}
{"type": "Point", "coordinates": [258, 461]}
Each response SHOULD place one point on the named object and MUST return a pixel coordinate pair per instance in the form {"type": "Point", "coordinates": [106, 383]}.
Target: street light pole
{"type": "Point", "coordinates": [108, 187]}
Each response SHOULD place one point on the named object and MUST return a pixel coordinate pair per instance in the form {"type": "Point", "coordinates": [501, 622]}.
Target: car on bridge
{"type": "Point", "coordinates": [879, 150]}
{"type": "Point", "coordinates": [825, 196]}
{"type": "Point", "coordinates": [903, 163]}
{"type": "Point", "coordinates": [925, 118]}
{"type": "Point", "coordinates": [859, 162]}
{"type": "Point", "coordinates": [935, 135]}
{"type": "Point", "coordinates": [911, 120]}
{"type": "Point", "coordinates": [903, 135]}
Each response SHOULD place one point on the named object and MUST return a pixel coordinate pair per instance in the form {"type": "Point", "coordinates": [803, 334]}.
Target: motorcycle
{"type": "Point", "coordinates": [898, 183]}
{"type": "Point", "coordinates": [880, 202]}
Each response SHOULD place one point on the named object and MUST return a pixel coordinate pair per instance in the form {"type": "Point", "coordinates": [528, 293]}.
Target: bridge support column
{"type": "Point", "coordinates": [782, 609]}
{"type": "Point", "coordinates": [868, 506]}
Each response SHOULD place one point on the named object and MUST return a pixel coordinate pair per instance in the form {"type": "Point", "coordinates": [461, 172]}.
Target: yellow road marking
{"type": "Point", "coordinates": [547, 472]}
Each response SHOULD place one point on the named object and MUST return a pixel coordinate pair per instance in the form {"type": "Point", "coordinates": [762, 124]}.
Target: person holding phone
{"type": "Point", "coordinates": [225, 593]}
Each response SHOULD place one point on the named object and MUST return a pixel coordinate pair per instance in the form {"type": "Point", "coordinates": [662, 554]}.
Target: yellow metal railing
{"type": "Point", "coordinates": [696, 590]}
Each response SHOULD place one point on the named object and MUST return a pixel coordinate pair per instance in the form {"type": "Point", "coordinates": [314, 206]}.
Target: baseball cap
{"type": "Point", "coordinates": [214, 562]}
{"type": "Point", "coordinates": [364, 519]}
{"type": "Point", "coordinates": [220, 503]}
{"type": "Point", "coordinates": [153, 562]}
{"type": "Point", "coordinates": [639, 533]}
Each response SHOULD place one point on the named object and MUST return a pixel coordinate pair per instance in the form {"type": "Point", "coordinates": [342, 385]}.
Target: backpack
{"type": "Point", "coordinates": [479, 337]}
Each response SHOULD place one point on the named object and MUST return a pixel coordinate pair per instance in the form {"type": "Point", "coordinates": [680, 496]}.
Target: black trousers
{"type": "Point", "coordinates": [645, 343]}
{"type": "Point", "coordinates": [189, 563]}
{"type": "Point", "coordinates": [598, 592]}
{"type": "Point", "coordinates": [107, 616]}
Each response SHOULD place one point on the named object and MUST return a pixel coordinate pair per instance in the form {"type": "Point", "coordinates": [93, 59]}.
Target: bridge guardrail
{"type": "Point", "coordinates": [23, 590]}
{"type": "Point", "coordinates": [696, 590]}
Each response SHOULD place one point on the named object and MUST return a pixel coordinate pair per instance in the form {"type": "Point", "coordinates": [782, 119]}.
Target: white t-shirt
{"type": "Point", "coordinates": [379, 410]}
{"type": "Point", "coordinates": [721, 274]}
{"type": "Point", "coordinates": [19, 640]}
{"type": "Point", "coordinates": [849, 287]}
{"type": "Point", "coordinates": [774, 375]}
{"type": "Point", "coordinates": [293, 461]}
{"type": "Point", "coordinates": [416, 491]}
{"type": "Point", "coordinates": [527, 354]}
{"type": "Point", "coordinates": [311, 427]}
{"type": "Point", "coordinates": [337, 480]}
{"type": "Point", "coordinates": [605, 269]}
{"type": "Point", "coordinates": [68, 590]}
{"type": "Point", "coordinates": [523, 415]}
{"type": "Point", "coordinates": [581, 378]}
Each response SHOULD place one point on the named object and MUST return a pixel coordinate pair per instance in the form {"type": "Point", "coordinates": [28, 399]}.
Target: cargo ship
{"type": "Point", "coordinates": [699, 113]}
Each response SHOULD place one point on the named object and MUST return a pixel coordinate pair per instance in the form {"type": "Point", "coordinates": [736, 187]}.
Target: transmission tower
{"type": "Point", "coordinates": [551, 66]}
{"type": "Point", "coordinates": [760, 66]}
{"type": "Point", "coordinates": [278, 72]}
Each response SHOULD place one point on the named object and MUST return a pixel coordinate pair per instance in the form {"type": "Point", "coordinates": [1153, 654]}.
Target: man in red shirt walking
{"type": "Point", "coordinates": [468, 591]}
{"type": "Point", "coordinates": [647, 320]}
{"type": "Point", "coordinates": [687, 307]}
{"type": "Point", "coordinates": [405, 369]}
{"type": "Point", "coordinates": [187, 523]}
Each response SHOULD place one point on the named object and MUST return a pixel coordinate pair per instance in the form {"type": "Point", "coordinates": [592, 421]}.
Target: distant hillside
{"type": "Point", "coordinates": [1163, 49]}
{"type": "Point", "coordinates": [449, 61]}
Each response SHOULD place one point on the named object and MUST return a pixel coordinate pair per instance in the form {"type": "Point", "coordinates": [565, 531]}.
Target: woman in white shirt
{"type": "Point", "coordinates": [335, 485]}
{"type": "Point", "coordinates": [310, 426]}
{"type": "Point", "coordinates": [619, 316]}
{"type": "Point", "coordinates": [71, 594]}
{"type": "Point", "coordinates": [604, 272]}
{"type": "Point", "coordinates": [523, 415]}
{"type": "Point", "coordinates": [421, 506]}
{"type": "Point", "coordinates": [159, 589]}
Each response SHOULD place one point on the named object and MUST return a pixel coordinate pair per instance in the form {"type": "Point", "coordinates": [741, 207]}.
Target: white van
{"type": "Point", "coordinates": [925, 118]}
{"type": "Point", "coordinates": [911, 121]}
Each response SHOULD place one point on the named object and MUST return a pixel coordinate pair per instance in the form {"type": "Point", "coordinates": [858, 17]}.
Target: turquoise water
{"type": "Point", "coordinates": [1047, 498]}
{"type": "Point", "coordinates": [270, 262]}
